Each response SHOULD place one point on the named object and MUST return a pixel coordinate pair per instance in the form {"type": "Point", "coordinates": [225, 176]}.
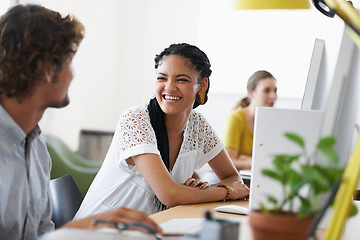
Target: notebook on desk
{"type": "Point", "coordinates": [269, 128]}
{"type": "Point", "coordinates": [182, 226]}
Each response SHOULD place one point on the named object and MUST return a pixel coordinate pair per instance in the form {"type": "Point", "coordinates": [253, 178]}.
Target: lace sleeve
{"type": "Point", "coordinates": [134, 131]}
{"type": "Point", "coordinates": [211, 140]}
{"type": "Point", "coordinates": [201, 136]}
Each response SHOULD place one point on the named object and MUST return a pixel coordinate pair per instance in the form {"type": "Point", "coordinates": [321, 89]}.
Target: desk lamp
{"type": "Point", "coordinates": [271, 4]}
{"type": "Point", "coordinates": [342, 8]}
{"type": "Point", "coordinates": [346, 11]}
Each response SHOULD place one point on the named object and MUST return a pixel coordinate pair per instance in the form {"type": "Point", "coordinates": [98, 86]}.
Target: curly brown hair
{"type": "Point", "coordinates": [34, 40]}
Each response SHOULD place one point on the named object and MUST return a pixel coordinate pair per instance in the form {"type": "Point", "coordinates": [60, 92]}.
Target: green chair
{"type": "Point", "coordinates": [65, 161]}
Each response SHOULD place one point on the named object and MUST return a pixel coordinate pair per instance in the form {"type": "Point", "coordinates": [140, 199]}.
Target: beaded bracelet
{"type": "Point", "coordinates": [227, 189]}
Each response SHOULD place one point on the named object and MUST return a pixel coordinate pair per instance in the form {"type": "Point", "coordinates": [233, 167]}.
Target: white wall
{"type": "Point", "coordinates": [280, 41]}
{"type": "Point", "coordinates": [114, 67]}
{"type": "Point", "coordinates": [4, 5]}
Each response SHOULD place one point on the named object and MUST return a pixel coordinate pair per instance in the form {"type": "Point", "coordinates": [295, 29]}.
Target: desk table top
{"type": "Point", "coordinates": [198, 210]}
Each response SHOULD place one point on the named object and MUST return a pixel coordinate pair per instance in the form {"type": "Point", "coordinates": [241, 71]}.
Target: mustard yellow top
{"type": "Point", "coordinates": [237, 134]}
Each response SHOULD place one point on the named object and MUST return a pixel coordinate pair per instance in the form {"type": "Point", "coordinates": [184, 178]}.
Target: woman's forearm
{"type": "Point", "coordinates": [188, 195]}
{"type": "Point", "coordinates": [231, 179]}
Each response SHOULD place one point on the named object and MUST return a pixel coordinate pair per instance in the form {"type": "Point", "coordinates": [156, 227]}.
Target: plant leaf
{"type": "Point", "coordinates": [306, 209]}
{"type": "Point", "coordinates": [326, 142]}
{"type": "Point", "coordinates": [353, 211]}
{"type": "Point", "coordinates": [330, 153]}
{"type": "Point", "coordinates": [263, 208]}
{"type": "Point", "coordinates": [282, 162]}
{"type": "Point", "coordinates": [295, 182]}
{"type": "Point", "coordinates": [274, 175]}
{"type": "Point", "coordinates": [296, 139]}
{"type": "Point", "coordinates": [272, 199]}
{"type": "Point", "coordinates": [332, 174]}
{"type": "Point", "coordinates": [326, 146]}
{"type": "Point", "coordinates": [318, 183]}
{"type": "Point", "coordinates": [274, 202]}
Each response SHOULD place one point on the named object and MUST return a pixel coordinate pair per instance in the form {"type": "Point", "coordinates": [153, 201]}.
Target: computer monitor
{"type": "Point", "coordinates": [270, 126]}
{"type": "Point", "coordinates": [337, 94]}
{"type": "Point", "coordinates": [314, 97]}
{"type": "Point", "coordinates": [342, 113]}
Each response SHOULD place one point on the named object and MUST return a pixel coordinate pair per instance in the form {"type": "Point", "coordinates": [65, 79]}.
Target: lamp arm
{"type": "Point", "coordinates": [346, 11]}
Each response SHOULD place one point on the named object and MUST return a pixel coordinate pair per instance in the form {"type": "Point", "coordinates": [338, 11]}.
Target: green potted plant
{"type": "Point", "coordinates": [292, 216]}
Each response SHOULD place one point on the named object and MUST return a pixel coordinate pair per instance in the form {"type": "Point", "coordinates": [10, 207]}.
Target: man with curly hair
{"type": "Point", "coordinates": [36, 49]}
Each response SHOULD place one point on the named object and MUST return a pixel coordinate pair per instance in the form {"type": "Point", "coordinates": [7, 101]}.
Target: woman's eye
{"type": "Point", "coordinates": [161, 79]}
{"type": "Point", "coordinates": [183, 80]}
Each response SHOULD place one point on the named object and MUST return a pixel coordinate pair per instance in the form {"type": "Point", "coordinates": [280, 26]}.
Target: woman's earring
{"type": "Point", "coordinates": [201, 98]}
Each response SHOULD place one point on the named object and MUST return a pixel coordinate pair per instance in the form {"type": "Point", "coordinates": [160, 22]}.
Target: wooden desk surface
{"type": "Point", "coordinates": [198, 210]}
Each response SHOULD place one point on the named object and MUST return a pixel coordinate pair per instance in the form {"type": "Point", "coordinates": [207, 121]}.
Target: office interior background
{"type": "Point", "coordinates": [114, 67]}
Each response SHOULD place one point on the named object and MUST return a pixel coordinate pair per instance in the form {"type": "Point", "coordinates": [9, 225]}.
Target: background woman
{"type": "Point", "coordinates": [157, 146]}
{"type": "Point", "coordinates": [239, 129]}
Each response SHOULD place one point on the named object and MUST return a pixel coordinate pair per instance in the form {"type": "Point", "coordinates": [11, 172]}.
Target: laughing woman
{"type": "Point", "coordinates": [157, 146]}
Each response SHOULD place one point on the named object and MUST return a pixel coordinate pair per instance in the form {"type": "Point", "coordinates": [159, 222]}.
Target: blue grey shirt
{"type": "Point", "coordinates": [25, 164]}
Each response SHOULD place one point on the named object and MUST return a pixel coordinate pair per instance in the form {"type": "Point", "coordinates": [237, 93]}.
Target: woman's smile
{"type": "Point", "coordinates": [172, 98]}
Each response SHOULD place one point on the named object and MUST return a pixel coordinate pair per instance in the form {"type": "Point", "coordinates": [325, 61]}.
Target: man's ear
{"type": "Point", "coordinates": [204, 84]}
{"type": "Point", "coordinates": [48, 76]}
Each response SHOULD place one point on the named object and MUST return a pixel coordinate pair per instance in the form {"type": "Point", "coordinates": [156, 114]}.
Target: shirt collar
{"type": "Point", "coordinates": [11, 132]}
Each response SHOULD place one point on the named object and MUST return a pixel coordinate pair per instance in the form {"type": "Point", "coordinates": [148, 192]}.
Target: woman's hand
{"type": "Point", "coordinates": [192, 182]}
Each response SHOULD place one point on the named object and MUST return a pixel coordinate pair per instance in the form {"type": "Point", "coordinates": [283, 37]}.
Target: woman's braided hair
{"type": "Point", "coordinates": [200, 61]}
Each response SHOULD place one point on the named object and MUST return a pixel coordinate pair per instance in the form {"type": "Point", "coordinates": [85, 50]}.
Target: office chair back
{"type": "Point", "coordinates": [65, 198]}
{"type": "Point", "coordinates": [65, 161]}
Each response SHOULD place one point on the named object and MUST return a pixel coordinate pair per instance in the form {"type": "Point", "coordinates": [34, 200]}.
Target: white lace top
{"type": "Point", "coordinates": [120, 184]}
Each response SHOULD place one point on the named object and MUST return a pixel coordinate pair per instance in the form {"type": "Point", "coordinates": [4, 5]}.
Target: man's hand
{"type": "Point", "coordinates": [122, 214]}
